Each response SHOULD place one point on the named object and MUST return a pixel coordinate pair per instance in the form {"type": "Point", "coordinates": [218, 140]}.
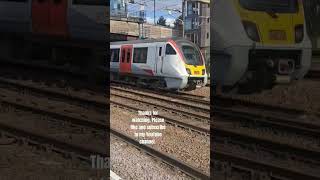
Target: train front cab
{"type": "Point", "coordinates": [271, 46]}
{"type": "Point", "coordinates": [194, 73]}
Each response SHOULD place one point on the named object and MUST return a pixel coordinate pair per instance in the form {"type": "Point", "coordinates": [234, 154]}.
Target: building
{"type": "Point", "coordinates": [118, 8]}
{"type": "Point", "coordinates": [197, 24]}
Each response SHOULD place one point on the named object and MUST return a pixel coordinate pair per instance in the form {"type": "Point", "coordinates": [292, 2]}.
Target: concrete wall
{"type": "Point", "coordinates": [150, 31]}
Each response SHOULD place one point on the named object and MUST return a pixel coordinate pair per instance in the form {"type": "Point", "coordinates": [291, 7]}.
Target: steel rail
{"type": "Point", "coordinates": [164, 100]}
{"type": "Point", "coordinates": [187, 169]}
{"type": "Point", "coordinates": [177, 95]}
{"type": "Point", "coordinates": [85, 151]}
{"type": "Point", "coordinates": [269, 120]}
{"type": "Point", "coordinates": [176, 111]}
{"type": "Point", "coordinates": [219, 153]}
{"type": "Point", "coordinates": [168, 120]}
{"type": "Point", "coordinates": [56, 94]}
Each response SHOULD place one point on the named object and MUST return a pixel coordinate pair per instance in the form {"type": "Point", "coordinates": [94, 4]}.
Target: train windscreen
{"type": "Point", "coordinates": [275, 6]}
{"type": "Point", "coordinates": [192, 55]}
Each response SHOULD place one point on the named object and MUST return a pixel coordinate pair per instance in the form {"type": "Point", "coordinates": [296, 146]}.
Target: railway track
{"type": "Point", "coordinates": [223, 111]}
{"type": "Point", "coordinates": [92, 99]}
{"type": "Point", "coordinates": [72, 150]}
{"type": "Point", "coordinates": [200, 105]}
{"type": "Point", "coordinates": [260, 158]}
{"type": "Point", "coordinates": [84, 122]}
{"type": "Point", "coordinates": [203, 118]}
{"type": "Point", "coordinates": [262, 141]}
{"type": "Point", "coordinates": [183, 96]}
{"type": "Point", "coordinates": [187, 126]}
{"type": "Point", "coordinates": [101, 105]}
{"type": "Point", "coordinates": [226, 101]}
{"type": "Point", "coordinates": [261, 116]}
{"type": "Point", "coordinates": [191, 171]}
{"type": "Point", "coordinates": [53, 132]}
{"type": "Point", "coordinates": [51, 127]}
{"type": "Point", "coordinates": [177, 113]}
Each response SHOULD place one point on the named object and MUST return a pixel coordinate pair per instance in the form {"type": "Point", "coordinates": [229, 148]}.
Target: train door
{"type": "Point", "coordinates": [126, 58]}
{"type": "Point", "coordinates": [160, 53]}
{"type": "Point", "coordinates": [58, 17]}
{"type": "Point", "coordinates": [49, 17]}
{"type": "Point", "coordinates": [170, 58]}
{"type": "Point", "coordinates": [40, 16]}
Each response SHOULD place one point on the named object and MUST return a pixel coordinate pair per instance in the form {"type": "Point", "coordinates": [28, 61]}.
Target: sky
{"type": "Point", "coordinates": [161, 6]}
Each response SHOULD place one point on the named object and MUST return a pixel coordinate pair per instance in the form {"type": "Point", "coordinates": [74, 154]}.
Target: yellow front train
{"type": "Point", "coordinates": [170, 63]}
{"type": "Point", "coordinates": [259, 43]}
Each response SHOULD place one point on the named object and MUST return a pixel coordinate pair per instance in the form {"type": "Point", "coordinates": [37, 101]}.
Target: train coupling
{"type": "Point", "coordinates": [286, 66]}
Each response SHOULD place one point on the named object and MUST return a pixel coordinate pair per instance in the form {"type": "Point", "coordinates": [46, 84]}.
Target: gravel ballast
{"type": "Point", "coordinates": [130, 163]}
{"type": "Point", "coordinates": [189, 147]}
{"type": "Point", "coordinates": [304, 94]}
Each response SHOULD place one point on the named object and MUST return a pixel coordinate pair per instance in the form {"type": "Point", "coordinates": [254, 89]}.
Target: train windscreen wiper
{"type": "Point", "coordinates": [272, 13]}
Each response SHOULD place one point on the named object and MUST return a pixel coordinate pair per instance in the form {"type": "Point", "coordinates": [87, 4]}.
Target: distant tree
{"type": "Point", "coordinates": [162, 21]}
{"type": "Point", "coordinates": [178, 23]}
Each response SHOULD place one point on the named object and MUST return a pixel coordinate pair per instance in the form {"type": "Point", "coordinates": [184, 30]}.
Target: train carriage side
{"type": "Point", "coordinates": [74, 19]}
{"type": "Point", "coordinates": [64, 31]}
{"type": "Point", "coordinates": [87, 19]}
{"type": "Point", "coordinates": [143, 60]}
{"type": "Point", "coordinates": [49, 17]}
{"type": "Point", "coordinates": [163, 63]}
{"type": "Point", "coordinates": [114, 60]}
{"type": "Point", "coordinates": [134, 60]}
{"type": "Point", "coordinates": [15, 16]}
{"type": "Point", "coordinates": [14, 20]}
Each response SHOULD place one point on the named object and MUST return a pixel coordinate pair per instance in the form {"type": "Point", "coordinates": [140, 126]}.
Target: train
{"type": "Point", "coordinates": [64, 32]}
{"type": "Point", "coordinates": [258, 44]}
{"type": "Point", "coordinates": [170, 63]}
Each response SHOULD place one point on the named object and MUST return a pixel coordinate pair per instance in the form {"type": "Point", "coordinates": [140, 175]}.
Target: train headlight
{"type": "Point", "coordinates": [299, 33]}
{"type": "Point", "coordinates": [251, 30]}
{"type": "Point", "coordinates": [203, 71]}
{"type": "Point", "coordinates": [188, 71]}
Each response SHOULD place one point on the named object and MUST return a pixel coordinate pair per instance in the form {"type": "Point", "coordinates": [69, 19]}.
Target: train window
{"type": "Point", "coordinates": [192, 55]}
{"type": "Point", "coordinates": [128, 56]}
{"type": "Point", "coordinates": [170, 50]}
{"type": "Point", "coordinates": [274, 6]}
{"type": "Point", "coordinates": [91, 2]}
{"type": "Point", "coordinates": [123, 55]}
{"type": "Point", "coordinates": [140, 55]}
{"type": "Point", "coordinates": [115, 55]}
{"type": "Point", "coordinates": [160, 51]}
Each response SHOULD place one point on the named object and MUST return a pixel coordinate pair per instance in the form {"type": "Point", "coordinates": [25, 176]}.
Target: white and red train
{"type": "Point", "coordinates": [72, 19]}
{"type": "Point", "coordinates": [69, 33]}
{"type": "Point", "coordinates": [166, 63]}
